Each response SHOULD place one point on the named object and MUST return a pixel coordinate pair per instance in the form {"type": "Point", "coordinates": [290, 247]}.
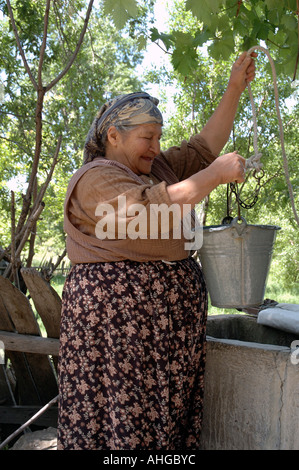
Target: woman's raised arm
{"type": "Point", "coordinates": [217, 130]}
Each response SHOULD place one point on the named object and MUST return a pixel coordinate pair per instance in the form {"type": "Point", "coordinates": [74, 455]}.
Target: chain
{"type": "Point", "coordinates": [235, 190]}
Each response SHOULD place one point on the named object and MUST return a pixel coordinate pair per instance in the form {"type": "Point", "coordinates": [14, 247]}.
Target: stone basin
{"type": "Point", "coordinates": [251, 387]}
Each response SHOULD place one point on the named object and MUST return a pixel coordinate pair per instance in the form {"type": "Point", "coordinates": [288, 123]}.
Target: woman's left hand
{"type": "Point", "coordinates": [243, 71]}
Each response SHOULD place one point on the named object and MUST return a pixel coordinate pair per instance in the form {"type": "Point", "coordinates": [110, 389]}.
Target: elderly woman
{"type": "Point", "coordinates": [132, 356]}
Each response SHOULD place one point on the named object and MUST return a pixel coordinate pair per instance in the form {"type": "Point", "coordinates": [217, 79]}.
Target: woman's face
{"type": "Point", "coordinates": [137, 148]}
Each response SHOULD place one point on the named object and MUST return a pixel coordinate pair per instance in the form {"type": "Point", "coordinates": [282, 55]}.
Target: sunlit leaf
{"type": "Point", "coordinates": [121, 11]}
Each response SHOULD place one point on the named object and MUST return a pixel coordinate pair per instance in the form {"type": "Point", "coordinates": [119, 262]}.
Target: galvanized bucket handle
{"type": "Point", "coordinates": [239, 226]}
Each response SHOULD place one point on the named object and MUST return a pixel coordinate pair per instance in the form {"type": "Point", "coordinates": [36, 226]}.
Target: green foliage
{"type": "Point", "coordinates": [227, 27]}
{"type": "Point", "coordinates": [121, 11]}
{"type": "Point", "coordinates": [130, 16]}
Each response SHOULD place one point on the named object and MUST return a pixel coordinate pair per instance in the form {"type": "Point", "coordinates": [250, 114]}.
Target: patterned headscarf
{"type": "Point", "coordinates": [124, 110]}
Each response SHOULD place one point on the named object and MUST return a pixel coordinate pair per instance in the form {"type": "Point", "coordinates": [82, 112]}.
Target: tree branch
{"type": "Point", "coordinates": [16, 143]}
{"type": "Point", "coordinates": [297, 59]}
{"type": "Point", "coordinates": [19, 45]}
{"type": "Point", "coordinates": [239, 6]}
{"type": "Point", "coordinates": [43, 46]}
{"type": "Point", "coordinates": [34, 168]}
{"type": "Point", "coordinates": [13, 229]}
{"type": "Point", "coordinates": [30, 222]}
{"type": "Point", "coordinates": [43, 189]}
{"type": "Point", "coordinates": [72, 59]}
{"type": "Point", "coordinates": [40, 195]}
{"type": "Point", "coordinates": [16, 257]}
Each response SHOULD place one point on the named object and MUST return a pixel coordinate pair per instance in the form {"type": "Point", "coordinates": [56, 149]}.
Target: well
{"type": "Point", "coordinates": [252, 387]}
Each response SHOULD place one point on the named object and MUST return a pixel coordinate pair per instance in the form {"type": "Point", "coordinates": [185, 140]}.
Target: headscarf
{"type": "Point", "coordinates": [124, 110]}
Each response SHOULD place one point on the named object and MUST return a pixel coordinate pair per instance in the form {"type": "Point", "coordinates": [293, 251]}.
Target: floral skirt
{"type": "Point", "coordinates": [132, 356]}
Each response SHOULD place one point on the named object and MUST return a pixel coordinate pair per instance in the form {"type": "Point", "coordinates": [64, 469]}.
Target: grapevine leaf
{"type": "Point", "coordinates": [167, 39]}
{"type": "Point", "coordinates": [184, 60]}
{"type": "Point", "coordinates": [121, 11]}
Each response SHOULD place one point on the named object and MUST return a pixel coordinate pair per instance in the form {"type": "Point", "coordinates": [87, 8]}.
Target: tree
{"type": "Point", "coordinates": [227, 26]}
{"type": "Point", "coordinates": [29, 214]}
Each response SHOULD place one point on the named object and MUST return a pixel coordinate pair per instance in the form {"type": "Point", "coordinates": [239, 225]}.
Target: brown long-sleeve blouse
{"type": "Point", "coordinates": [105, 187]}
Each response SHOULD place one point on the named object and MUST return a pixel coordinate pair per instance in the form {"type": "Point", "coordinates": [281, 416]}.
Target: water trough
{"type": "Point", "coordinates": [252, 386]}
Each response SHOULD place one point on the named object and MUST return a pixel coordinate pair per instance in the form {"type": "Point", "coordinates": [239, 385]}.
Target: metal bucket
{"type": "Point", "coordinates": [236, 260]}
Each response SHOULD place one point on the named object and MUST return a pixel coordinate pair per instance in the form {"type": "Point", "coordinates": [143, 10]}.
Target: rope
{"type": "Point", "coordinates": [254, 160]}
